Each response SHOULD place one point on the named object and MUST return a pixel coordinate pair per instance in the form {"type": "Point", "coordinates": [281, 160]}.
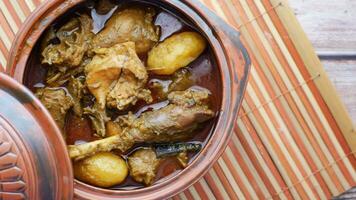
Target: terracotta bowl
{"type": "Point", "coordinates": [231, 59]}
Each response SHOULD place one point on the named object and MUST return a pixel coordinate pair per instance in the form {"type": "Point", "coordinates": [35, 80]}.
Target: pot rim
{"type": "Point", "coordinates": [49, 11]}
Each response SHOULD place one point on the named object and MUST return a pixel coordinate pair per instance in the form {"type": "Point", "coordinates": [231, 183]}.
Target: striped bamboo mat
{"type": "Point", "coordinates": [291, 138]}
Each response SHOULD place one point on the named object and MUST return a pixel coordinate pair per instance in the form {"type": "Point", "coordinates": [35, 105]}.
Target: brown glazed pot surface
{"type": "Point", "coordinates": [32, 162]}
{"type": "Point", "coordinates": [231, 58]}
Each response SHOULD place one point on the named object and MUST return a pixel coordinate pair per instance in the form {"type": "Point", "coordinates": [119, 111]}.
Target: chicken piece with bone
{"type": "Point", "coordinates": [75, 88]}
{"type": "Point", "coordinates": [175, 122]}
{"type": "Point", "coordinates": [144, 163]}
{"type": "Point", "coordinates": [117, 74]}
{"type": "Point", "coordinates": [57, 101]}
{"type": "Point", "coordinates": [132, 24]}
{"type": "Point", "coordinates": [74, 41]}
{"type": "Point", "coordinates": [143, 166]}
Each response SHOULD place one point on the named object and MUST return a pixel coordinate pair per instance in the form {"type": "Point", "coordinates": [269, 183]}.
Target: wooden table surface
{"type": "Point", "coordinates": [331, 27]}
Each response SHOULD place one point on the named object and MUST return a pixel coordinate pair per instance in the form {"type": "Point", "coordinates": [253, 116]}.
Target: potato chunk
{"type": "Point", "coordinates": [102, 170]}
{"type": "Point", "coordinates": [175, 52]}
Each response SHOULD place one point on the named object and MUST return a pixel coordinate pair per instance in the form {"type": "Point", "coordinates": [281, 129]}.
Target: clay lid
{"type": "Point", "coordinates": [34, 163]}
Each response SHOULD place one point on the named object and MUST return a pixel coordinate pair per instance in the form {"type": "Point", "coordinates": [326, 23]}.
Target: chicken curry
{"type": "Point", "coordinates": [133, 89]}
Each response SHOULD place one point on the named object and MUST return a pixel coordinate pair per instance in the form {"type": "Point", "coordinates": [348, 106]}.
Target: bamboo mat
{"type": "Point", "coordinates": [293, 136]}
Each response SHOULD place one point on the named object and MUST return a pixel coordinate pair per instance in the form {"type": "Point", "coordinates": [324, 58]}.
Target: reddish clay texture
{"type": "Point", "coordinates": [32, 163]}
{"type": "Point", "coordinates": [232, 60]}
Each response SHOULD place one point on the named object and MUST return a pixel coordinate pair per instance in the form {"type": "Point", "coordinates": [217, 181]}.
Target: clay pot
{"type": "Point", "coordinates": [32, 162]}
{"type": "Point", "coordinates": [233, 63]}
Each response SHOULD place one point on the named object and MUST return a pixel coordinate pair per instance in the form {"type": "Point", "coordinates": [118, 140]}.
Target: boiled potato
{"type": "Point", "coordinates": [102, 169]}
{"type": "Point", "coordinates": [175, 52]}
